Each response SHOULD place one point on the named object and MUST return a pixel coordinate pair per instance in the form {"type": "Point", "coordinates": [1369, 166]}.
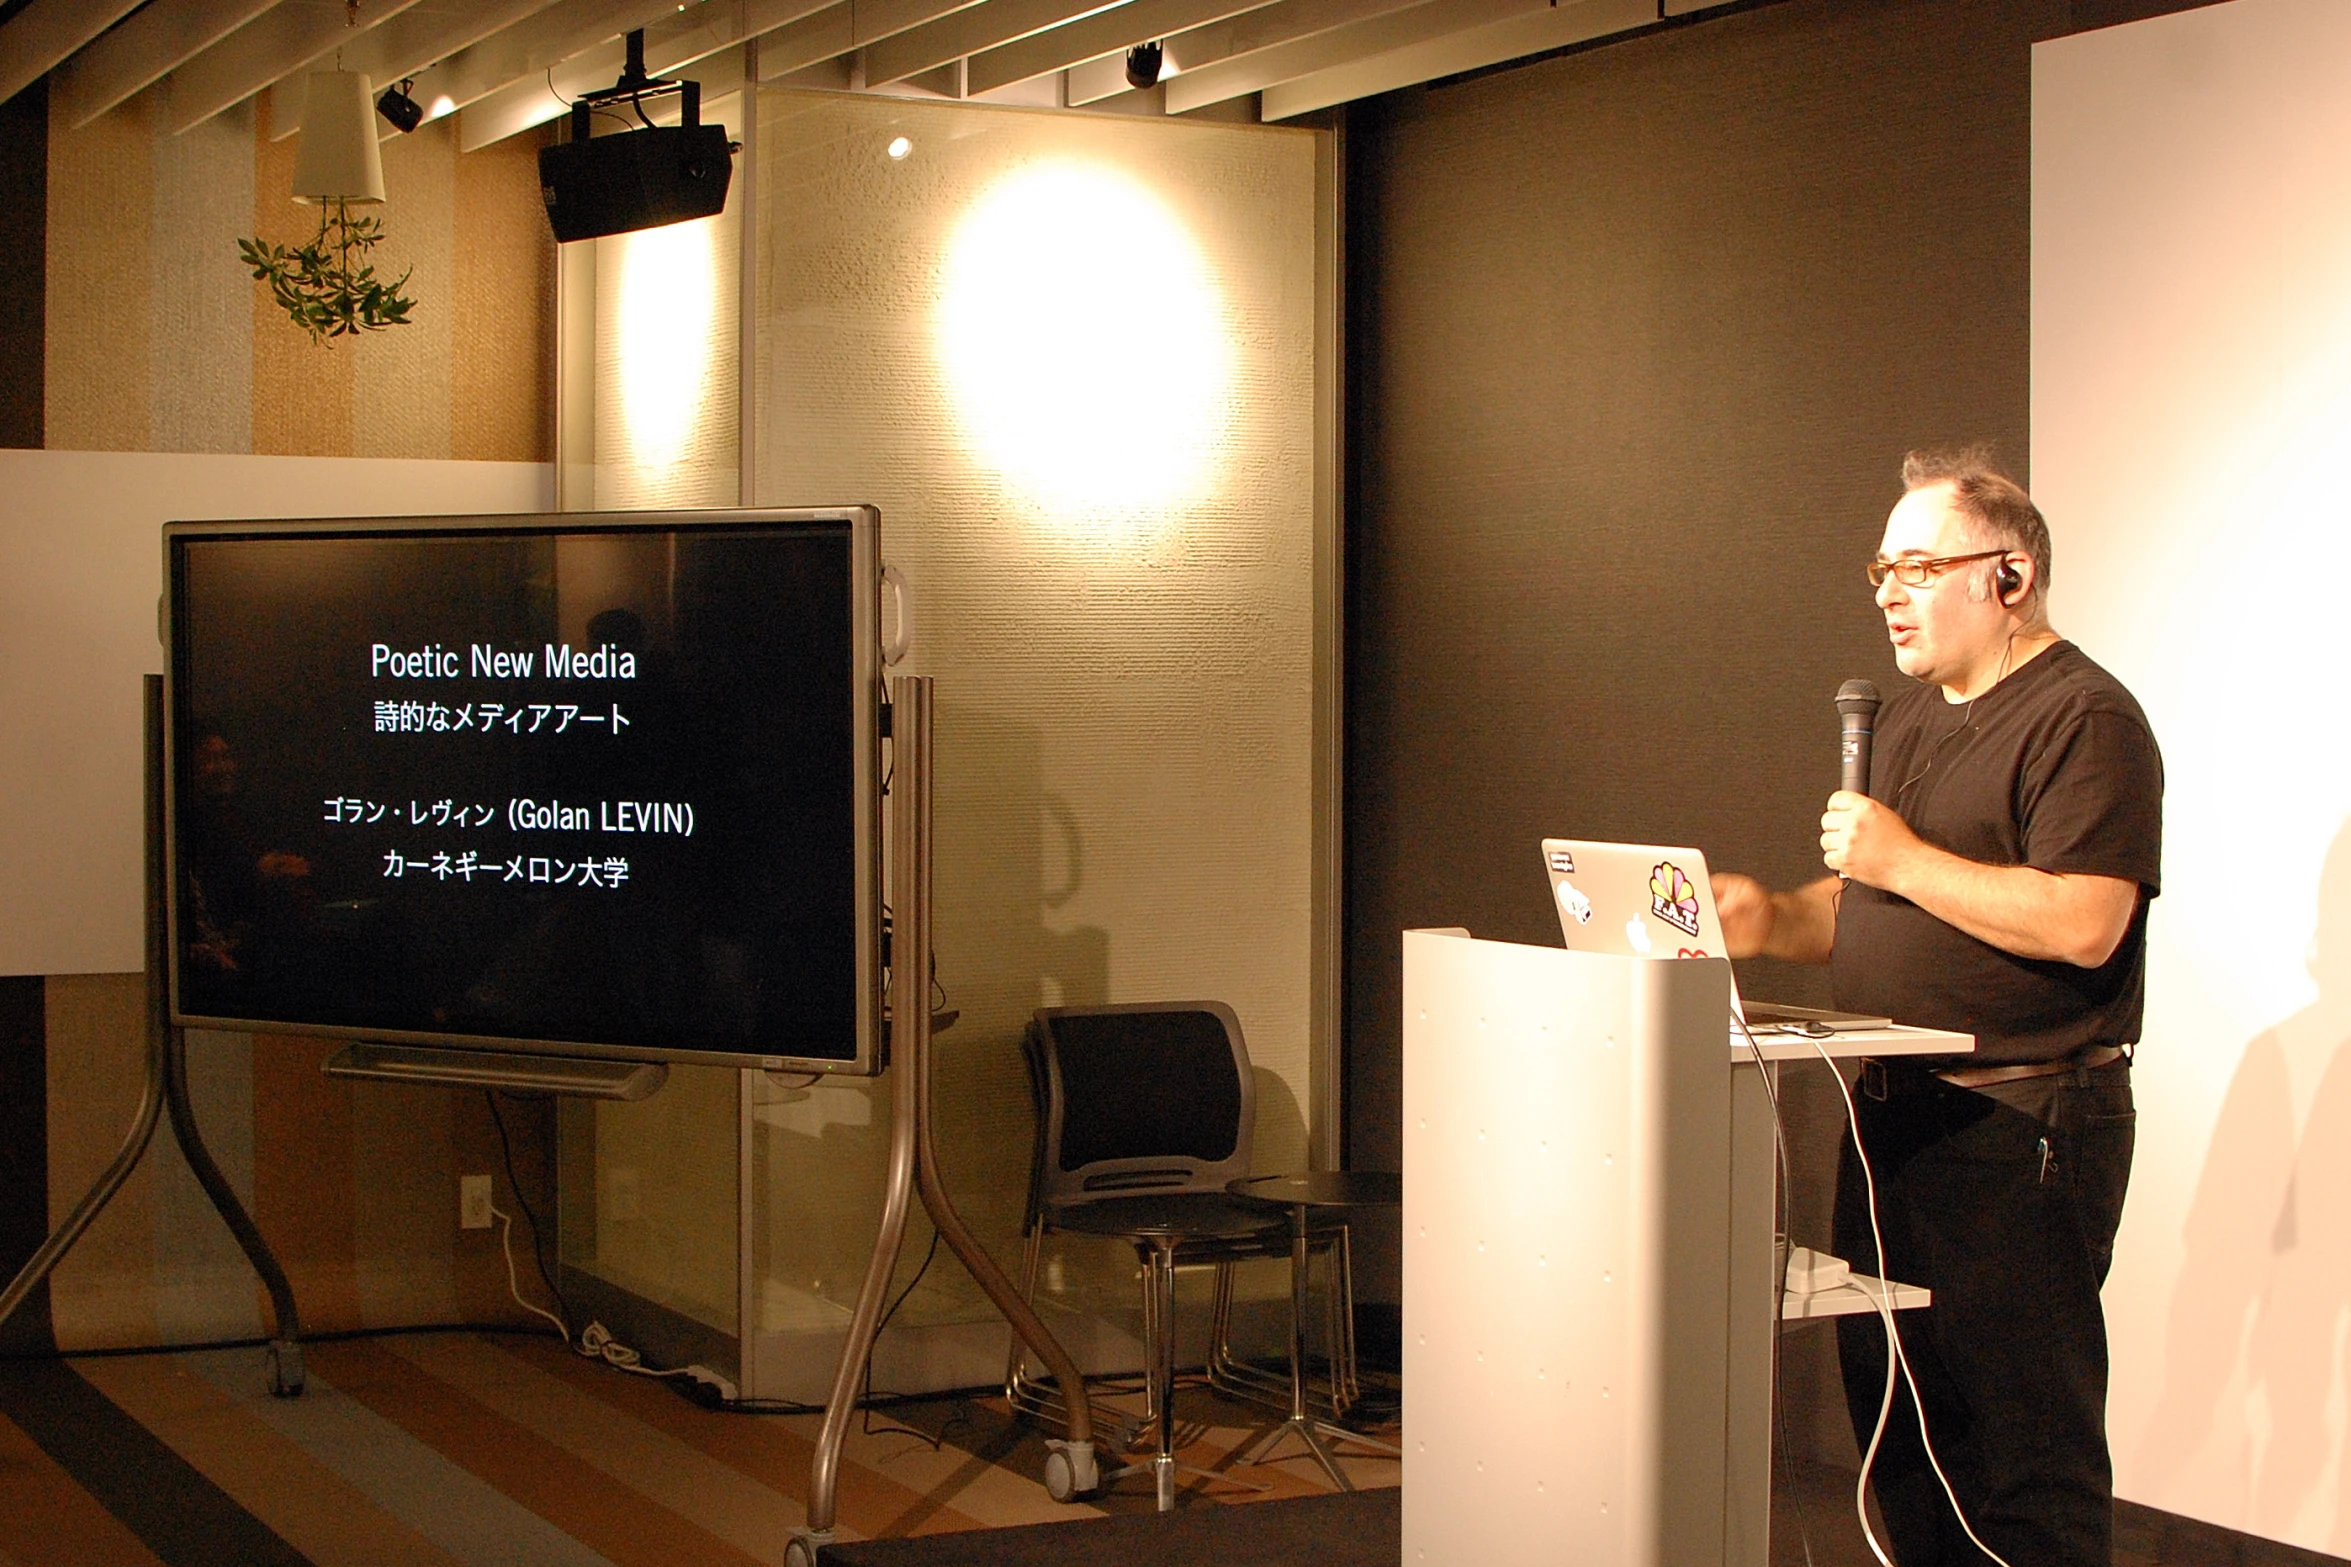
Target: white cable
{"type": "Point", "coordinates": [596, 1341]}
{"type": "Point", "coordinates": [1895, 1356]}
{"type": "Point", "coordinates": [514, 1284]}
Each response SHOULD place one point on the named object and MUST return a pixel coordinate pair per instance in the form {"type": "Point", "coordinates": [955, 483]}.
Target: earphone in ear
{"type": "Point", "coordinates": [2008, 580]}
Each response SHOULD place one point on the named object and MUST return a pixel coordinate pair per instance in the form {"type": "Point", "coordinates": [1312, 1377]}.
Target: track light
{"type": "Point", "coordinates": [405, 113]}
{"type": "Point", "coordinates": [1143, 64]}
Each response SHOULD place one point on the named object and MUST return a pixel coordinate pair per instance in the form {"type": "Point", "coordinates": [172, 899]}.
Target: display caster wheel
{"type": "Point", "coordinates": [1070, 1471]}
{"type": "Point", "coordinates": [805, 1543]}
{"type": "Point", "coordinates": [285, 1367]}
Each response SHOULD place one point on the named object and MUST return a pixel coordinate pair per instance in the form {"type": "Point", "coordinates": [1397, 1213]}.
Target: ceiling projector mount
{"type": "Point", "coordinates": [635, 179]}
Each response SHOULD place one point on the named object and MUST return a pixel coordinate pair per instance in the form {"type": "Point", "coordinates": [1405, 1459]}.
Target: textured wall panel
{"type": "Point", "coordinates": [101, 190]}
{"type": "Point", "coordinates": [97, 1055]}
{"type": "Point", "coordinates": [200, 342]}
{"type": "Point", "coordinates": [502, 308]}
{"type": "Point", "coordinates": [668, 308]}
{"type": "Point", "coordinates": [400, 378]}
{"type": "Point", "coordinates": [1122, 648]}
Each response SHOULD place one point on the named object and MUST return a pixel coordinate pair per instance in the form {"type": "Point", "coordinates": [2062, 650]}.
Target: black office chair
{"type": "Point", "coordinates": [1155, 1100]}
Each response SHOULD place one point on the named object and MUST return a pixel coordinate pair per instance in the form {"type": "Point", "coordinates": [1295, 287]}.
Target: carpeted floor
{"type": "Point", "coordinates": [459, 1450]}
{"type": "Point", "coordinates": [450, 1449]}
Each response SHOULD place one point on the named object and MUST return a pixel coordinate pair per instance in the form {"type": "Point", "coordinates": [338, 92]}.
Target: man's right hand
{"type": "Point", "coordinates": [1800, 926]}
{"type": "Point", "coordinates": [1744, 907]}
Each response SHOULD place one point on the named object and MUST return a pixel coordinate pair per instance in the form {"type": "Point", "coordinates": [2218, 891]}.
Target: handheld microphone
{"type": "Point", "coordinates": [1857, 713]}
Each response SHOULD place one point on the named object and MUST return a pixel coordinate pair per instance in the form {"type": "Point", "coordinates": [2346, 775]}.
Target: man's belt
{"type": "Point", "coordinates": [1985, 1076]}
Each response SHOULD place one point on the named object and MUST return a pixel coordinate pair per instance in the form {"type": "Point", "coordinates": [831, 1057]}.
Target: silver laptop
{"type": "Point", "coordinates": [1648, 901]}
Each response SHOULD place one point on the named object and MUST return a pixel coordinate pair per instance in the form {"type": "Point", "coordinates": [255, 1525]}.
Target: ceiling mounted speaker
{"type": "Point", "coordinates": [635, 180]}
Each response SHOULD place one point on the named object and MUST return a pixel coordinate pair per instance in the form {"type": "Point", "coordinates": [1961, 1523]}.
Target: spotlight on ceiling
{"type": "Point", "coordinates": [637, 179]}
{"type": "Point", "coordinates": [1143, 62]}
{"type": "Point", "coordinates": [405, 113]}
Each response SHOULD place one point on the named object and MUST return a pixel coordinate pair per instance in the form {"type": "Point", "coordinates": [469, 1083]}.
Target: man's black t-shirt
{"type": "Point", "coordinates": [2054, 767]}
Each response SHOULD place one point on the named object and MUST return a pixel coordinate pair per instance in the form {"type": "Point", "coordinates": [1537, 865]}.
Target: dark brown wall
{"type": "Point", "coordinates": [1639, 337]}
{"type": "Point", "coordinates": [24, 231]}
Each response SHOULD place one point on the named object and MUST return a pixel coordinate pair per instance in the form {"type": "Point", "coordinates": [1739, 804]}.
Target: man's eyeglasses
{"type": "Point", "coordinates": [1914, 571]}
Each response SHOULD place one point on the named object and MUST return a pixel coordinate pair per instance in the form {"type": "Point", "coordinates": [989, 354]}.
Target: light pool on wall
{"type": "Point", "coordinates": [668, 301]}
{"type": "Point", "coordinates": [1085, 347]}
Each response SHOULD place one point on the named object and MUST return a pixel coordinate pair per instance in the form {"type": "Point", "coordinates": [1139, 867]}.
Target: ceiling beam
{"type": "Point", "coordinates": [1102, 33]}
{"type": "Point", "coordinates": [968, 32]}
{"type": "Point", "coordinates": [280, 41]}
{"type": "Point", "coordinates": [1267, 27]}
{"type": "Point", "coordinates": [815, 38]}
{"type": "Point", "coordinates": [46, 33]}
{"type": "Point", "coordinates": [1256, 69]}
{"type": "Point", "coordinates": [405, 45]}
{"type": "Point", "coordinates": [141, 52]}
{"type": "Point", "coordinates": [533, 46]}
{"type": "Point", "coordinates": [1510, 39]}
{"type": "Point", "coordinates": [672, 43]}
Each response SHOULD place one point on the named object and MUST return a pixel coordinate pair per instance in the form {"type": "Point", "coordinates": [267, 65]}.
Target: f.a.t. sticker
{"type": "Point", "coordinates": [1672, 898]}
{"type": "Point", "coordinates": [1575, 903]}
{"type": "Point", "coordinates": [1563, 862]}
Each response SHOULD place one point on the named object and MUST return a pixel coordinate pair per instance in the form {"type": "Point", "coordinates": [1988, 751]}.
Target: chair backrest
{"type": "Point", "coordinates": [1145, 1097]}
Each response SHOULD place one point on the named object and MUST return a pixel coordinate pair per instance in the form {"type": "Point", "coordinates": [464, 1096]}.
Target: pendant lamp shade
{"type": "Point", "coordinates": [338, 159]}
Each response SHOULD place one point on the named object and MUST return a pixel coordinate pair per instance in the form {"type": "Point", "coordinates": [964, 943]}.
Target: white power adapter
{"type": "Point", "coordinates": [1810, 1272]}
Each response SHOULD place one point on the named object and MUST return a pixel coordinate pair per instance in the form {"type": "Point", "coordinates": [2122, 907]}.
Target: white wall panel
{"type": "Point", "coordinates": [2191, 424]}
{"type": "Point", "coordinates": [1072, 359]}
{"type": "Point", "coordinates": [81, 555]}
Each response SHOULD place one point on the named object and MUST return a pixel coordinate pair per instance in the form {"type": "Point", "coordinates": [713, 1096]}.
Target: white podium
{"type": "Point", "coordinates": [1588, 1258]}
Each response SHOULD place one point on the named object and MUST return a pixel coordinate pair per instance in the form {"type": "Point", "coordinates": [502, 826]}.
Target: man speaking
{"type": "Point", "coordinates": [1993, 881]}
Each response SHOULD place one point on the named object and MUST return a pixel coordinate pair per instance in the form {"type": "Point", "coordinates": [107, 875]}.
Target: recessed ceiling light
{"type": "Point", "coordinates": [900, 146]}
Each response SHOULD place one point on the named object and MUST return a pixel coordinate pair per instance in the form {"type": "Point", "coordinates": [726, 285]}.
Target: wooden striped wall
{"type": "Point", "coordinates": [157, 339]}
{"type": "Point", "coordinates": [127, 323]}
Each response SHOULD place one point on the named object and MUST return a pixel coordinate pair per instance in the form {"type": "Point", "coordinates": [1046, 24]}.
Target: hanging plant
{"type": "Point", "coordinates": [327, 286]}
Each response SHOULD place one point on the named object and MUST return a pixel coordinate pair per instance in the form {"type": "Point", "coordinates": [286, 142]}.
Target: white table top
{"type": "Point", "coordinates": [1894, 1041]}
{"type": "Point", "coordinates": [1857, 1294]}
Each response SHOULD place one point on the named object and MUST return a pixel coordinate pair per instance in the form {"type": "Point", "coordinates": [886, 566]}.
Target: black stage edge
{"type": "Point", "coordinates": [1359, 1529]}
{"type": "Point", "coordinates": [2149, 1534]}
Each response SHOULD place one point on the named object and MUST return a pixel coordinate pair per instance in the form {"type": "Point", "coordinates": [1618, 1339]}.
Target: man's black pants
{"type": "Point", "coordinates": [2004, 1202]}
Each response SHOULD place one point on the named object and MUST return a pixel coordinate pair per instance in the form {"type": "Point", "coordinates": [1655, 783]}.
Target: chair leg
{"type": "Point", "coordinates": [1019, 1391]}
{"type": "Point", "coordinates": [1150, 1340]}
{"type": "Point", "coordinates": [1344, 1300]}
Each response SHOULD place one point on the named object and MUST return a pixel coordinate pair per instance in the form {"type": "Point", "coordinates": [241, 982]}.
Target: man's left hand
{"type": "Point", "coordinates": [1866, 841]}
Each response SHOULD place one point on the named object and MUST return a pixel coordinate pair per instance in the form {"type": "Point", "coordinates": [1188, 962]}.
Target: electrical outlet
{"type": "Point", "coordinates": [473, 1202]}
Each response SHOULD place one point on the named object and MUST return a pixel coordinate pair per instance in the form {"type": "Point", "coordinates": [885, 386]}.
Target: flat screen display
{"type": "Point", "coordinates": [601, 785]}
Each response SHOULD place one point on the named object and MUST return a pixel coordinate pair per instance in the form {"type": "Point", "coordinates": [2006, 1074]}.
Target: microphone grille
{"type": "Point", "coordinates": [1857, 696]}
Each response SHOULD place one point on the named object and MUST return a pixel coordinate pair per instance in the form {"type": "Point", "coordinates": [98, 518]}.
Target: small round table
{"type": "Point", "coordinates": [1162, 1223]}
{"type": "Point", "coordinates": [1302, 1194]}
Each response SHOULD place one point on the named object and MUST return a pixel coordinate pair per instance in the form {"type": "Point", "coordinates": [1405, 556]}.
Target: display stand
{"type": "Point", "coordinates": [1071, 1470]}
{"type": "Point", "coordinates": [167, 1089]}
{"type": "Point", "coordinates": [1589, 1290]}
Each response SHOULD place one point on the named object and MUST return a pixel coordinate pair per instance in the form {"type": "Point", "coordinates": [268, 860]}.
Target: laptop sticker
{"type": "Point", "coordinates": [1563, 862]}
{"type": "Point", "coordinates": [1672, 898]}
{"type": "Point", "coordinates": [1575, 903]}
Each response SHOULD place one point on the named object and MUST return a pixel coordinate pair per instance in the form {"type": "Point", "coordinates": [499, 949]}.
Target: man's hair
{"type": "Point", "coordinates": [1999, 513]}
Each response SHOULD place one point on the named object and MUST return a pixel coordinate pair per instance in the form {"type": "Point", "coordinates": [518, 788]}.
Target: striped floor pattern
{"type": "Point", "coordinates": [459, 1450]}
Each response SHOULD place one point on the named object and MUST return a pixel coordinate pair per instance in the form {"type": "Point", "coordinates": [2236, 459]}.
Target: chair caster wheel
{"type": "Point", "coordinates": [1070, 1471]}
{"type": "Point", "coordinates": [803, 1546]}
